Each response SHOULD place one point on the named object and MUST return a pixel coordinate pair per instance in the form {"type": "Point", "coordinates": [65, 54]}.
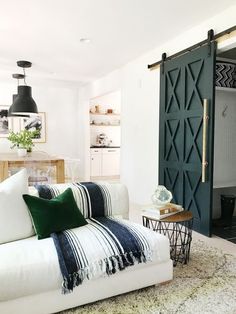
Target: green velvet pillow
{"type": "Point", "coordinates": [57, 214]}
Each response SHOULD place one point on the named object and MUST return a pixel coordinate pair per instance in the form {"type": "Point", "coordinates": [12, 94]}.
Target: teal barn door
{"type": "Point", "coordinates": [186, 133]}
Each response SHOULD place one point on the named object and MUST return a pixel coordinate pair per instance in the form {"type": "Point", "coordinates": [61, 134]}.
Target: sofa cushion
{"type": "Point", "coordinates": [15, 222]}
{"type": "Point", "coordinates": [57, 214]}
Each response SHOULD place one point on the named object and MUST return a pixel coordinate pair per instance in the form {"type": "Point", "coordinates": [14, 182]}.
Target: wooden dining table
{"type": "Point", "coordinates": [34, 159]}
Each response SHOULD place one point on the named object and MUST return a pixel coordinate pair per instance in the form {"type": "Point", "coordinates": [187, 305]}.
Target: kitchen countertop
{"type": "Point", "coordinates": [96, 146]}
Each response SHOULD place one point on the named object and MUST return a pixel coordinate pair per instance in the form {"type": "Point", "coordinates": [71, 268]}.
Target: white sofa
{"type": "Point", "coordinates": [29, 270]}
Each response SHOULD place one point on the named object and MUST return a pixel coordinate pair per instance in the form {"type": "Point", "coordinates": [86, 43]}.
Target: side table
{"type": "Point", "coordinates": [178, 228]}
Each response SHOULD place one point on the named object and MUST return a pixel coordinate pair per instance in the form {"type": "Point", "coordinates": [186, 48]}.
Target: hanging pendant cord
{"type": "Point", "coordinates": [24, 76]}
{"type": "Point", "coordinates": [201, 43]}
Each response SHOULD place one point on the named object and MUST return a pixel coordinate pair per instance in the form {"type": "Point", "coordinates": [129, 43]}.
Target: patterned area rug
{"type": "Point", "coordinates": [206, 285]}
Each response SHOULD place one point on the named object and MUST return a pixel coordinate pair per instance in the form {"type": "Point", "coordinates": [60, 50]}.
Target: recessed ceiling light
{"type": "Point", "coordinates": [85, 40]}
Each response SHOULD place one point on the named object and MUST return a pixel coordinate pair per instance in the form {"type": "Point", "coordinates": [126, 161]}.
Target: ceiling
{"type": "Point", "coordinates": [48, 33]}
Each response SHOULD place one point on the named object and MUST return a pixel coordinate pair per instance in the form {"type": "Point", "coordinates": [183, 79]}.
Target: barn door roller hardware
{"type": "Point", "coordinates": [163, 59]}
{"type": "Point", "coordinates": [210, 37]}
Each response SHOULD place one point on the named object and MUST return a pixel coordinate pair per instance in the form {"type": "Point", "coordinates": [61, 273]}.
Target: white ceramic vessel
{"type": "Point", "coordinates": [22, 152]}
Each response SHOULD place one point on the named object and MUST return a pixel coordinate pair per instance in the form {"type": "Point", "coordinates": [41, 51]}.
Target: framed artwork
{"type": "Point", "coordinates": [36, 123]}
{"type": "Point", "coordinates": [6, 123]}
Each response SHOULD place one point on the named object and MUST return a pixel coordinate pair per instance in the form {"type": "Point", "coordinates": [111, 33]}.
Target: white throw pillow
{"type": "Point", "coordinates": [15, 221]}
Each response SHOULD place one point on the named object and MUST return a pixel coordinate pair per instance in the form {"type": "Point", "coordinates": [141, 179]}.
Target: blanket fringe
{"type": "Point", "coordinates": [107, 266]}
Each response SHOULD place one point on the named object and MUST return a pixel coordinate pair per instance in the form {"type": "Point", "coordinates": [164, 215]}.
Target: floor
{"type": "Point", "coordinates": [227, 232]}
{"type": "Point", "coordinates": [215, 241]}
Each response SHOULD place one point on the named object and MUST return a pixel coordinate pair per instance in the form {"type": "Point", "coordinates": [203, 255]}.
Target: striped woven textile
{"type": "Point", "coordinates": [102, 247]}
{"type": "Point", "coordinates": [93, 200]}
{"type": "Point", "coordinates": [225, 74]}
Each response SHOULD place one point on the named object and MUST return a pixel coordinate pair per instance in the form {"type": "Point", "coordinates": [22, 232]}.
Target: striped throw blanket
{"type": "Point", "coordinates": [104, 246]}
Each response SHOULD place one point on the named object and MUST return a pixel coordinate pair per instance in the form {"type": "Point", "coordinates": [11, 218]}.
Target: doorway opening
{"type": "Point", "coordinates": [105, 137]}
{"type": "Point", "coordinates": [224, 182]}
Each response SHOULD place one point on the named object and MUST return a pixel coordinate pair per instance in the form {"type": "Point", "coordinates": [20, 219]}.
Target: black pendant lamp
{"type": "Point", "coordinates": [24, 105]}
{"type": "Point", "coordinates": [10, 114]}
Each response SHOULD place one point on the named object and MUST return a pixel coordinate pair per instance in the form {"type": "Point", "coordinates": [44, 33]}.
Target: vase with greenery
{"type": "Point", "coordinates": [23, 140]}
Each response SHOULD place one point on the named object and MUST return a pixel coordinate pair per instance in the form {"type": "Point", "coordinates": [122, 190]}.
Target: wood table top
{"type": "Point", "coordinates": [34, 156]}
{"type": "Point", "coordinates": [179, 217]}
{"type": "Point", "coordinates": [182, 216]}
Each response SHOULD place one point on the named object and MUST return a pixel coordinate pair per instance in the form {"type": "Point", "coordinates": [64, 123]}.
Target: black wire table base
{"type": "Point", "coordinates": [179, 234]}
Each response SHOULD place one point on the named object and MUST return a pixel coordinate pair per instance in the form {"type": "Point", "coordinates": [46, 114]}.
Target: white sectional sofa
{"type": "Point", "coordinates": [30, 275]}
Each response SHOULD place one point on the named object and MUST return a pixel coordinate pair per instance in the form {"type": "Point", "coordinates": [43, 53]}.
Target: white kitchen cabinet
{"type": "Point", "coordinates": [96, 162]}
{"type": "Point", "coordinates": [105, 162]}
{"type": "Point", "coordinates": [110, 161]}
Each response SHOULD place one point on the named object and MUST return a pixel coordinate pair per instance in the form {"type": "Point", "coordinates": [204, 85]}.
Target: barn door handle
{"type": "Point", "coordinates": [204, 139]}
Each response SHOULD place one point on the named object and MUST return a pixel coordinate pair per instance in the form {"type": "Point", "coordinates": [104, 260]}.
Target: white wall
{"type": "Point", "coordinates": [140, 108]}
{"type": "Point", "coordinates": [108, 101]}
{"type": "Point", "coordinates": [112, 134]}
{"type": "Point", "coordinates": [60, 104]}
{"type": "Point", "coordinates": [225, 135]}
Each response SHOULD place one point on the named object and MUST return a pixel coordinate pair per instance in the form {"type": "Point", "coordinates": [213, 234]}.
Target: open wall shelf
{"type": "Point", "coordinates": [226, 89]}
{"type": "Point", "coordinates": [104, 125]}
{"type": "Point", "coordinates": [104, 114]}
